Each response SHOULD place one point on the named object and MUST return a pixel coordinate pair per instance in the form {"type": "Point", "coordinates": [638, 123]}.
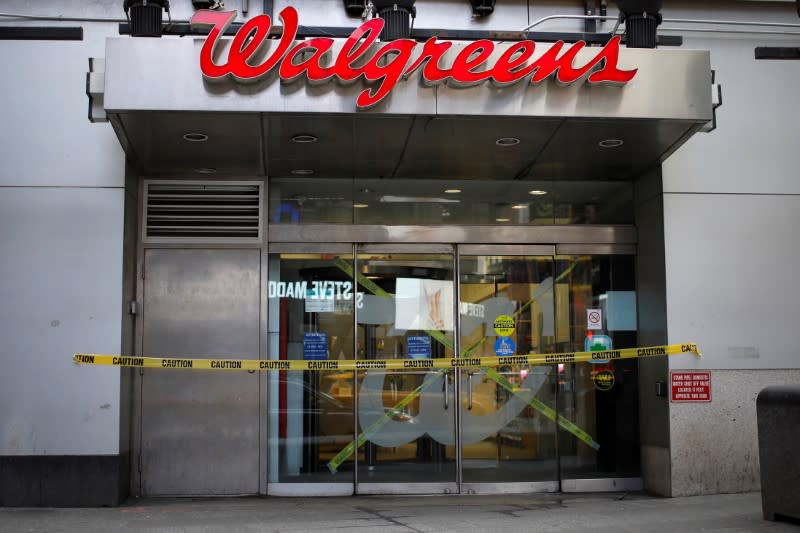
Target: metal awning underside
{"type": "Point", "coordinates": [154, 93]}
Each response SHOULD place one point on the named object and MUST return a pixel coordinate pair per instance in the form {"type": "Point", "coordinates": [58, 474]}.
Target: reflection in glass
{"type": "Point", "coordinates": [507, 435]}
{"type": "Point", "coordinates": [601, 398]}
{"type": "Point", "coordinates": [310, 414]}
{"type": "Point", "coordinates": [431, 202]}
{"type": "Point", "coordinates": [406, 416]}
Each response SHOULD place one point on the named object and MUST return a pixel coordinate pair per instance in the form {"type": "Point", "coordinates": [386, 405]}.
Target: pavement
{"type": "Point", "coordinates": [598, 513]}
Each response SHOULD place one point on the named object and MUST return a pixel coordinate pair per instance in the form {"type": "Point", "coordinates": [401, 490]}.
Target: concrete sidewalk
{"type": "Point", "coordinates": [535, 512]}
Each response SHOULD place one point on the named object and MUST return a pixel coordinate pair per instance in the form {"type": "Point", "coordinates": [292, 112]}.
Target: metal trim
{"type": "Point", "coordinates": [403, 248]}
{"type": "Point", "coordinates": [509, 488]}
{"type": "Point", "coordinates": [41, 33]}
{"type": "Point", "coordinates": [595, 249]}
{"type": "Point", "coordinates": [263, 382]}
{"type": "Point", "coordinates": [421, 34]}
{"type": "Point", "coordinates": [136, 389]}
{"type": "Point", "coordinates": [406, 488]}
{"type": "Point", "coordinates": [458, 405]}
{"type": "Point", "coordinates": [506, 249]}
{"type": "Point", "coordinates": [345, 233]}
{"type": "Point", "coordinates": [310, 489]}
{"type": "Point", "coordinates": [614, 484]}
{"type": "Point", "coordinates": [354, 252]}
{"type": "Point", "coordinates": [309, 248]}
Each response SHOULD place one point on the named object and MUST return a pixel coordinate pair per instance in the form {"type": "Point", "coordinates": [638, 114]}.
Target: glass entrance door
{"type": "Point", "coordinates": [406, 418]}
{"type": "Point", "coordinates": [421, 430]}
{"type": "Point", "coordinates": [508, 432]}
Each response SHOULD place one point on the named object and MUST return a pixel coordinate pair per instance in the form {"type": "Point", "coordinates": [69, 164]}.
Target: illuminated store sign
{"type": "Point", "coordinates": [387, 64]}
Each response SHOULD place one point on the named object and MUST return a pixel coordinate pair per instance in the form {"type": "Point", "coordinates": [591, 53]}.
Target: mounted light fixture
{"type": "Point", "coordinates": [208, 4]}
{"type": "Point", "coordinates": [397, 16]}
{"type": "Point", "coordinates": [145, 16]}
{"type": "Point", "coordinates": [641, 19]}
{"type": "Point", "coordinates": [304, 138]}
{"type": "Point", "coordinates": [610, 143]}
{"type": "Point", "coordinates": [355, 8]}
{"type": "Point", "coordinates": [195, 137]}
{"type": "Point", "coordinates": [507, 141]}
{"type": "Point", "coordinates": [482, 8]}
{"type": "Point", "coordinates": [302, 172]}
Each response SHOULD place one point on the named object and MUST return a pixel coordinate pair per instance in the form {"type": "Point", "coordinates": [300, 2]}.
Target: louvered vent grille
{"type": "Point", "coordinates": [203, 211]}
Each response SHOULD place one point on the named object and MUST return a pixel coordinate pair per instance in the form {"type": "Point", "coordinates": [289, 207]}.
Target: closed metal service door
{"type": "Point", "coordinates": [200, 430]}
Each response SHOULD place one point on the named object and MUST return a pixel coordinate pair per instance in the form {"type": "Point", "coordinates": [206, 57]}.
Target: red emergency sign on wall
{"type": "Point", "coordinates": [689, 386]}
{"type": "Point", "coordinates": [384, 64]}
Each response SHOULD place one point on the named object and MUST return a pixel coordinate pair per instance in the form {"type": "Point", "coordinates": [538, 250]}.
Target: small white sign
{"type": "Point", "coordinates": [594, 319]}
{"type": "Point", "coordinates": [320, 305]}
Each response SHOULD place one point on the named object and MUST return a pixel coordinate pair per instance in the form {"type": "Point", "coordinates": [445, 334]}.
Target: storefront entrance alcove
{"type": "Point", "coordinates": [414, 431]}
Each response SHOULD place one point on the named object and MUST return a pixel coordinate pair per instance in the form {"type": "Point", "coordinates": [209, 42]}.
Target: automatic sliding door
{"type": "Point", "coordinates": [508, 432]}
{"type": "Point", "coordinates": [310, 413]}
{"type": "Point", "coordinates": [601, 398]}
{"type": "Point", "coordinates": [406, 418]}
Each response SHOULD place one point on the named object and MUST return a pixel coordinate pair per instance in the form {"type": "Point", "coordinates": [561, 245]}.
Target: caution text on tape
{"type": "Point", "coordinates": [272, 365]}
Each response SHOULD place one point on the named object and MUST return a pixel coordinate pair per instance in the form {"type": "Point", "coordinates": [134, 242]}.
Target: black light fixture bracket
{"type": "Point", "coordinates": [482, 8]}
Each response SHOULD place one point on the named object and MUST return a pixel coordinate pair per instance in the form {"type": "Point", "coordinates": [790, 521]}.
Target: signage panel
{"type": "Point", "coordinates": [384, 65]}
{"type": "Point", "coordinates": [690, 386]}
{"type": "Point", "coordinates": [315, 346]}
{"type": "Point", "coordinates": [419, 347]}
{"type": "Point", "coordinates": [504, 346]}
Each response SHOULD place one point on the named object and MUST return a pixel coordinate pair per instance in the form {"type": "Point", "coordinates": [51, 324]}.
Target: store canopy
{"type": "Point", "coordinates": [154, 93]}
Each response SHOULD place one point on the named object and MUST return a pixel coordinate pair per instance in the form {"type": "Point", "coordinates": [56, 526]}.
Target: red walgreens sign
{"type": "Point", "coordinates": [690, 386]}
{"type": "Point", "coordinates": [391, 62]}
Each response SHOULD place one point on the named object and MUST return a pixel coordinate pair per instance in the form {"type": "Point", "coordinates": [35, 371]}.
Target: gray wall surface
{"type": "Point", "coordinates": [731, 204]}
{"type": "Point", "coordinates": [715, 446]}
{"type": "Point", "coordinates": [60, 281]}
{"type": "Point", "coordinates": [61, 220]}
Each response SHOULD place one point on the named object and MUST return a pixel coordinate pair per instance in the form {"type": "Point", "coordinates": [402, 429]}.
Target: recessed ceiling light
{"type": "Point", "coordinates": [537, 192]}
{"type": "Point", "coordinates": [194, 137]}
{"type": "Point", "coordinates": [610, 143]}
{"type": "Point", "coordinates": [452, 191]}
{"type": "Point", "coordinates": [360, 206]}
{"type": "Point", "coordinates": [507, 141]}
{"type": "Point", "coordinates": [304, 138]}
{"type": "Point", "coordinates": [302, 172]}
{"type": "Point", "coordinates": [206, 170]}
{"type": "Point", "coordinates": [519, 206]}
{"type": "Point", "coordinates": [503, 220]}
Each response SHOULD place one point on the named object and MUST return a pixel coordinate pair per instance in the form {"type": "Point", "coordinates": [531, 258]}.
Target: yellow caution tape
{"type": "Point", "coordinates": [272, 365]}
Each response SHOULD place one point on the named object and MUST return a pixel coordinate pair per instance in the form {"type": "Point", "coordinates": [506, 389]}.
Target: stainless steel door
{"type": "Point", "coordinates": [200, 431]}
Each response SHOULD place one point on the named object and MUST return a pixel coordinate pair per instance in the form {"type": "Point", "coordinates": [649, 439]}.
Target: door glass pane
{"type": "Point", "coordinates": [601, 398]}
{"type": "Point", "coordinates": [406, 417]}
{"type": "Point", "coordinates": [507, 412]}
{"type": "Point", "coordinates": [310, 413]}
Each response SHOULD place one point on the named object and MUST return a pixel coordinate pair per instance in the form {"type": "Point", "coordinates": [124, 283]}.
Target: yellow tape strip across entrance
{"type": "Point", "coordinates": [272, 365]}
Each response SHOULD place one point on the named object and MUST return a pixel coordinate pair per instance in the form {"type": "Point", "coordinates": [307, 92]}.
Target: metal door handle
{"type": "Point", "coordinates": [469, 391]}
{"type": "Point", "coordinates": [446, 388]}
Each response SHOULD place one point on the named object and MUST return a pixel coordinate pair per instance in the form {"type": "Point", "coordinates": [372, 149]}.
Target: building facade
{"type": "Point", "coordinates": [286, 220]}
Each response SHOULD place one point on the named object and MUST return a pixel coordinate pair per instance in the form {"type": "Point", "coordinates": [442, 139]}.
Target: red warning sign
{"type": "Point", "coordinates": [690, 386]}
